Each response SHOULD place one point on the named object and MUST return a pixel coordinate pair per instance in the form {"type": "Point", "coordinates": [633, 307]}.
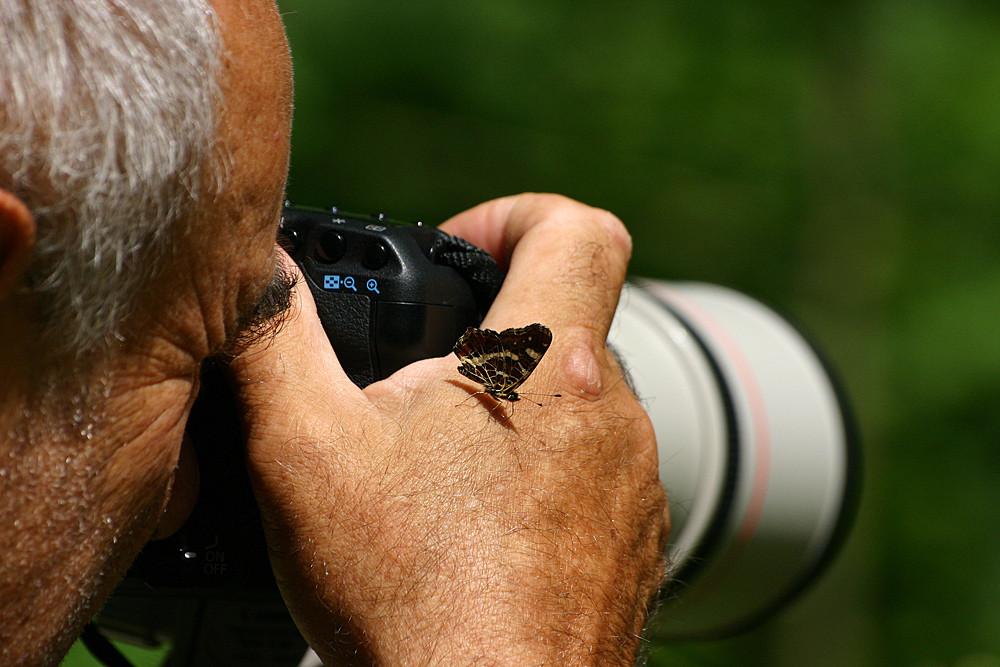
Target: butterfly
{"type": "Point", "coordinates": [502, 361]}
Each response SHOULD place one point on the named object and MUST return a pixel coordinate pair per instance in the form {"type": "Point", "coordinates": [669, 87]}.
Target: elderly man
{"type": "Point", "coordinates": [143, 151]}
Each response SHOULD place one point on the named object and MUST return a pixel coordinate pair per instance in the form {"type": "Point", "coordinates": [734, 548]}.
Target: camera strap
{"type": "Point", "coordinates": [474, 264]}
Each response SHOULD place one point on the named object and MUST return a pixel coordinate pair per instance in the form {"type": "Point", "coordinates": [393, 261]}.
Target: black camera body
{"type": "Point", "coordinates": [388, 294]}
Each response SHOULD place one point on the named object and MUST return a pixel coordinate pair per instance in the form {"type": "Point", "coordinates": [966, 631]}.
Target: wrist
{"type": "Point", "coordinates": [453, 633]}
{"type": "Point", "coordinates": [485, 612]}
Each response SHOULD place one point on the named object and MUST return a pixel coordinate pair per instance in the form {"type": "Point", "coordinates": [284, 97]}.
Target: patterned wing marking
{"type": "Point", "coordinates": [501, 362]}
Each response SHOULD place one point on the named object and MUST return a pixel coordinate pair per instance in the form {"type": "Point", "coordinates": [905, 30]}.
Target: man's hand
{"type": "Point", "coordinates": [411, 524]}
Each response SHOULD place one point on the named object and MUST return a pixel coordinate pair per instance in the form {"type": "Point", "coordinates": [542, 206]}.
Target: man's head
{"type": "Point", "coordinates": [116, 137]}
{"type": "Point", "coordinates": [143, 151]}
{"type": "Point", "coordinates": [109, 120]}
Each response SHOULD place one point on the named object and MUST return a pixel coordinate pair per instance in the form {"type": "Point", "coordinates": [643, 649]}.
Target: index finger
{"type": "Point", "coordinates": [567, 261]}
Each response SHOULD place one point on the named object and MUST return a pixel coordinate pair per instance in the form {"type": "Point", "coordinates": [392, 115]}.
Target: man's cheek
{"type": "Point", "coordinates": [182, 494]}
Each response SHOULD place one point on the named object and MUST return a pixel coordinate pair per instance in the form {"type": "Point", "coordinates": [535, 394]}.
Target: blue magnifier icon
{"type": "Point", "coordinates": [349, 283]}
{"type": "Point", "coordinates": [372, 285]}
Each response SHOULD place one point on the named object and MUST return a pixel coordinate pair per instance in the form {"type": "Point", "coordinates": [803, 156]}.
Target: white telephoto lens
{"type": "Point", "coordinates": [757, 452]}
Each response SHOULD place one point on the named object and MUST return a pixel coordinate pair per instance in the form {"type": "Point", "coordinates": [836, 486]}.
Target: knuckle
{"type": "Point", "coordinates": [579, 361]}
{"type": "Point", "coordinates": [613, 230]}
{"type": "Point", "coordinates": [569, 216]}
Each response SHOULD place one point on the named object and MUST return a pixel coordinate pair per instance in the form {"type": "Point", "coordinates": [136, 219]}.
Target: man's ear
{"type": "Point", "coordinates": [17, 239]}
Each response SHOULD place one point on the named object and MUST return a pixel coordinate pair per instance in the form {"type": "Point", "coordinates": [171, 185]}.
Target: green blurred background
{"type": "Point", "coordinates": [839, 160]}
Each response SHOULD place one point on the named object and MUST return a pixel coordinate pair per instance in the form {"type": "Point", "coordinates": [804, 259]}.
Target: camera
{"type": "Point", "coordinates": [388, 293]}
{"type": "Point", "coordinates": [757, 451]}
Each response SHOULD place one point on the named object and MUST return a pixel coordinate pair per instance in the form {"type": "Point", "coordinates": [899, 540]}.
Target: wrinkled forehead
{"type": "Point", "coordinates": [256, 80]}
{"type": "Point", "coordinates": [235, 241]}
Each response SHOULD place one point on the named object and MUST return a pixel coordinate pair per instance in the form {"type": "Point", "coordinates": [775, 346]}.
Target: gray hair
{"type": "Point", "coordinates": [108, 113]}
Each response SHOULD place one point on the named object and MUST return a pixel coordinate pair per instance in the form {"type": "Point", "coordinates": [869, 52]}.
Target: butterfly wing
{"type": "Point", "coordinates": [501, 362]}
{"type": "Point", "coordinates": [525, 347]}
{"type": "Point", "coordinates": [478, 350]}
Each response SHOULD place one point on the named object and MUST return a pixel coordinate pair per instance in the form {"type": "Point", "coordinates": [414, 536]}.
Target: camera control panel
{"type": "Point", "coordinates": [388, 293]}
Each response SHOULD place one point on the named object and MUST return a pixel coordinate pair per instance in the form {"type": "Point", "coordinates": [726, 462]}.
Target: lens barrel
{"type": "Point", "coordinates": [757, 451]}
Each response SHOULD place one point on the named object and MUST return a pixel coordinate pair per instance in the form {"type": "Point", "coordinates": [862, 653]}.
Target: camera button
{"type": "Point", "coordinates": [376, 255]}
{"type": "Point", "coordinates": [330, 247]}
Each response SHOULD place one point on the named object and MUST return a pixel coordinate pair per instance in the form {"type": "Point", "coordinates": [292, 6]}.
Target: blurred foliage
{"type": "Point", "coordinates": [138, 656]}
{"type": "Point", "coordinates": [838, 160]}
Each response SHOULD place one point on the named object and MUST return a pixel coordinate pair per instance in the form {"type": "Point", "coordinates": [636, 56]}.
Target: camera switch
{"type": "Point", "coordinates": [376, 255]}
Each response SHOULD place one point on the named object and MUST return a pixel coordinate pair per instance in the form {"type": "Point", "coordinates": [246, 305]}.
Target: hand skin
{"type": "Point", "coordinates": [412, 523]}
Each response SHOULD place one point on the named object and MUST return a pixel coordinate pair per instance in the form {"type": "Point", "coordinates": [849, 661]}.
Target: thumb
{"type": "Point", "coordinates": [292, 370]}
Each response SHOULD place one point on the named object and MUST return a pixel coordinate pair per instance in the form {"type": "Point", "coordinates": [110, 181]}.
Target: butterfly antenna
{"type": "Point", "coordinates": [522, 394]}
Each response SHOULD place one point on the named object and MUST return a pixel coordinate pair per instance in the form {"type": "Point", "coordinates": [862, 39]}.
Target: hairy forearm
{"type": "Point", "coordinates": [449, 558]}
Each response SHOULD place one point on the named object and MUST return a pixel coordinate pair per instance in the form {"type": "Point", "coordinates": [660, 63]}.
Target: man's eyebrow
{"type": "Point", "coordinates": [268, 314]}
